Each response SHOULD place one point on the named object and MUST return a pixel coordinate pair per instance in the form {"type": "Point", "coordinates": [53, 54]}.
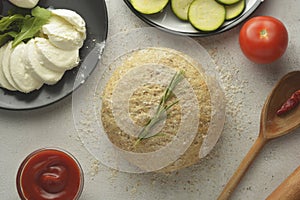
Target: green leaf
{"type": "Point", "coordinates": [162, 107]}
{"type": "Point", "coordinates": [41, 13]}
{"type": "Point", "coordinates": [28, 31]}
{"type": "Point", "coordinates": [7, 36]}
{"type": "Point", "coordinates": [32, 25]}
{"type": "Point", "coordinates": [8, 21]}
{"type": "Point", "coordinates": [20, 28]}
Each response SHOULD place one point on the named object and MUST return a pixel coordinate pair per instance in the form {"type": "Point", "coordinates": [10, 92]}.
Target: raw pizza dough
{"type": "Point", "coordinates": [188, 131]}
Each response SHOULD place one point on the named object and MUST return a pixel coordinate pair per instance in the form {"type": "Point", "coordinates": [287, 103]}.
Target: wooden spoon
{"type": "Point", "coordinates": [289, 189]}
{"type": "Point", "coordinates": [271, 125]}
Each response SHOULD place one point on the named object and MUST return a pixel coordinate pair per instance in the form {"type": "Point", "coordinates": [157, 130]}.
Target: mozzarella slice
{"type": "Point", "coordinates": [62, 34]}
{"type": "Point", "coordinates": [72, 17]}
{"type": "Point", "coordinates": [54, 58]}
{"type": "Point", "coordinates": [46, 75]}
{"type": "Point", "coordinates": [6, 66]}
{"type": "Point", "coordinates": [25, 3]}
{"type": "Point", "coordinates": [20, 72]}
{"type": "Point", "coordinates": [3, 81]}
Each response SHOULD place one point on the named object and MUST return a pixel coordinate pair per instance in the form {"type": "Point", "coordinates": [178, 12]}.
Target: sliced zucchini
{"type": "Point", "coordinates": [235, 10]}
{"type": "Point", "coordinates": [227, 2]}
{"type": "Point", "coordinates": [181, 8]}
{"type": "Point", "coordinates": [149, 6]}
{"type": "Point", "coordinates": [206, 15]}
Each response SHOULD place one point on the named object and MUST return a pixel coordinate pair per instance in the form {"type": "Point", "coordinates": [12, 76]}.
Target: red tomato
{"type": "Point", "coordinates": [263, 39]}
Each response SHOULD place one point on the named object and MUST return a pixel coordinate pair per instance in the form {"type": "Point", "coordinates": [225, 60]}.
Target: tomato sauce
{"type": "Point", "coordinates": [50, 174]}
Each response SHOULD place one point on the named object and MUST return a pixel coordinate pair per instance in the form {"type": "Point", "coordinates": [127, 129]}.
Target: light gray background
{"type": "Point", "coordinates": [246, 86]}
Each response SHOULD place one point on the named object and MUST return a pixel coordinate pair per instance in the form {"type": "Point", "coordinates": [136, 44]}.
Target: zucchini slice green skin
{"type": "Point", "coordinates": [203, 15]}
{"type": "Point", "coordinates": [180, 8]}
{"type": "Point", "coordinates": [235, 10]}
{"type": "Point", "coordinates": [228, 2]}
{"type": "Point", "coordinates": [206, 15]}
{"type": "Point", "coordinates": [149, 6]}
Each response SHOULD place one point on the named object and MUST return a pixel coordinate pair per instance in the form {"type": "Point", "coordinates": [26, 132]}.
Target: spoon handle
{"type": "Point", "coordinates": [289, 189]}
{"type": "Point", "coordinates": [243, 167]}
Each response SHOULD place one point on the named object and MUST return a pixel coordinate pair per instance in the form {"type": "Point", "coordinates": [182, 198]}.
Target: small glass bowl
{"type": "Point", "coordinates": [45, 173]}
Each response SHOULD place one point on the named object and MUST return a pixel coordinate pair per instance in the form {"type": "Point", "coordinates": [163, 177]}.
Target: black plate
{"type": "Point", "coordinates": [167, 21]}
{"type": "Point", "coordinates": [95, 14]}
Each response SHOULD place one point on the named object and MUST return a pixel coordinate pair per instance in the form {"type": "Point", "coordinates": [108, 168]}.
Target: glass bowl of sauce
{"type": "Point", "coordinates": [50, 173]}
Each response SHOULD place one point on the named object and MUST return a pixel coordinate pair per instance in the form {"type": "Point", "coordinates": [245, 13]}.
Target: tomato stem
{"type": "Point", "coordinates": [264, 33]}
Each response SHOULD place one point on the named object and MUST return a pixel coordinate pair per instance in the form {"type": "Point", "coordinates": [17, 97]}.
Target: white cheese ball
{"type": "Point", "coordinates": [25, 3]}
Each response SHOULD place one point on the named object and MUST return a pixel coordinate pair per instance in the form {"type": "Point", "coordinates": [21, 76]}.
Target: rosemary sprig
{"type": "Point", "coordinates": [162, 108]}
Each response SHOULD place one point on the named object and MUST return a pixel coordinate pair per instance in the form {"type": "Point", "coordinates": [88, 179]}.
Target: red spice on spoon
{"type": "Point", "coordinates": [50, 174]}
{"type": "Point", "coordinates": [290, 104]}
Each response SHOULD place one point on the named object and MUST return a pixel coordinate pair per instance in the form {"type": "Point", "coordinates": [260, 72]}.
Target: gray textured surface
{"type": "Point", "coordinates": [246, 87]}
